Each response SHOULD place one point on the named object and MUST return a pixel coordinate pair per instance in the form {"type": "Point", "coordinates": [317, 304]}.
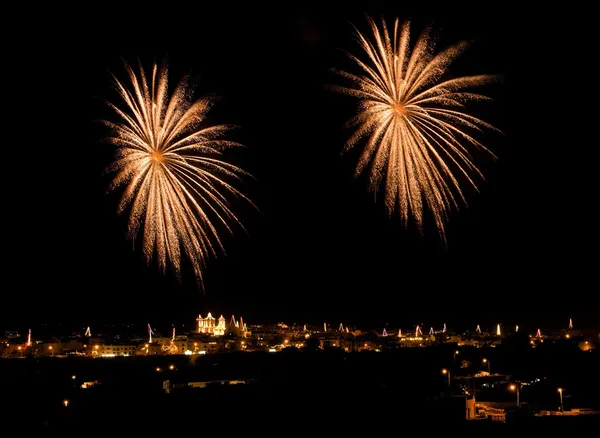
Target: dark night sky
{"type": "Point", "coordinates": [524, 250]}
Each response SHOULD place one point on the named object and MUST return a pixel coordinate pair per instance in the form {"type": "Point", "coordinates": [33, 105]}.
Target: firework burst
{"type": "Point", "coordinates": [413, 124]}
{"type": "Point", "coordinates": [170, 164]}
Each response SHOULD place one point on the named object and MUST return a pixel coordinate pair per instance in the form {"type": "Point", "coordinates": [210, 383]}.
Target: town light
{"type": "Point", "coordinates": [560, 392]}
{"type": "Point", "coordinates": [73, 377]}
{"type": "Point", "coordinates": [447, 372]}
{"type": "Point", "coordinates": [66, 403]}
{"type": "Point", "coordinates": [489, 365]}
{"type": "Point", "coordinates": [171, 367]}
{"type": "Point", "coordinates": [516, 387]}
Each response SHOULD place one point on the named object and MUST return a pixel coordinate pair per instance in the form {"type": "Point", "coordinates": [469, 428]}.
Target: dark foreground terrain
{"type": "Point", "coordinates": [285, 393]}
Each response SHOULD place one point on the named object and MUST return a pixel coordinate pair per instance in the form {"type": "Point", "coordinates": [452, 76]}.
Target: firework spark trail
{"type": "Point", "coordinates": [412, 123]}
{"type": "Point", "coordinates": [171, 168]}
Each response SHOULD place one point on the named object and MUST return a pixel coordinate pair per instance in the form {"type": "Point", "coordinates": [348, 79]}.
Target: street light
{"type": "Point", "coordinates": [560, 391]}
{"type": "Point", "coordinates": [456, 353]}
{"type": "Point", "coordinates": [171, 367]}
{"type": "Point", "coordinates": [66, 403]}
{"type": "Point", "coordinates": [447, 372]}
{"type": "Point", "coordinates": [51, 351]}
{"type": "Point", "coordinates": [516, 387]}
{"type": "Point", "coordinates": [489, 365]}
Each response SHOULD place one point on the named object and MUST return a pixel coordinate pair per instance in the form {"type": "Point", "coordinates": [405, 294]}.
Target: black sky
{"type": "Point", "coordinates": [523, 251]}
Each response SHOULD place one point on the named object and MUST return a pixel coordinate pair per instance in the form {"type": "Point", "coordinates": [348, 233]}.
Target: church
{"type": "Point", "coordinates": [210, 326]}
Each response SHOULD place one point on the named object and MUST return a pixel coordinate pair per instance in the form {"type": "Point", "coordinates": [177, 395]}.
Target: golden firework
{"type": "Point", "coordinates": [413, 122]}
{"type": "Point", "coordinates": [170, 164]}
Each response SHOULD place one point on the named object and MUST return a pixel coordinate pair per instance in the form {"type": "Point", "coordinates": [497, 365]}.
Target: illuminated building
{"type": "Point", "coordinates": [113, 350]}
{"type": "Point", "coordinates": [220, 328]}
{"type": "Point", "coordinates": [238, 328]}
{"type": "Point", "coordinates": [587, 345]}
{"type": "Point", "coordinates": [207, 325]}
{"type": "Point", "coordinates": [203, 347]}
{"type": "Point", "coordinates": [173, 345]}
{"type": "Point", "coordinates": [414, 341]}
